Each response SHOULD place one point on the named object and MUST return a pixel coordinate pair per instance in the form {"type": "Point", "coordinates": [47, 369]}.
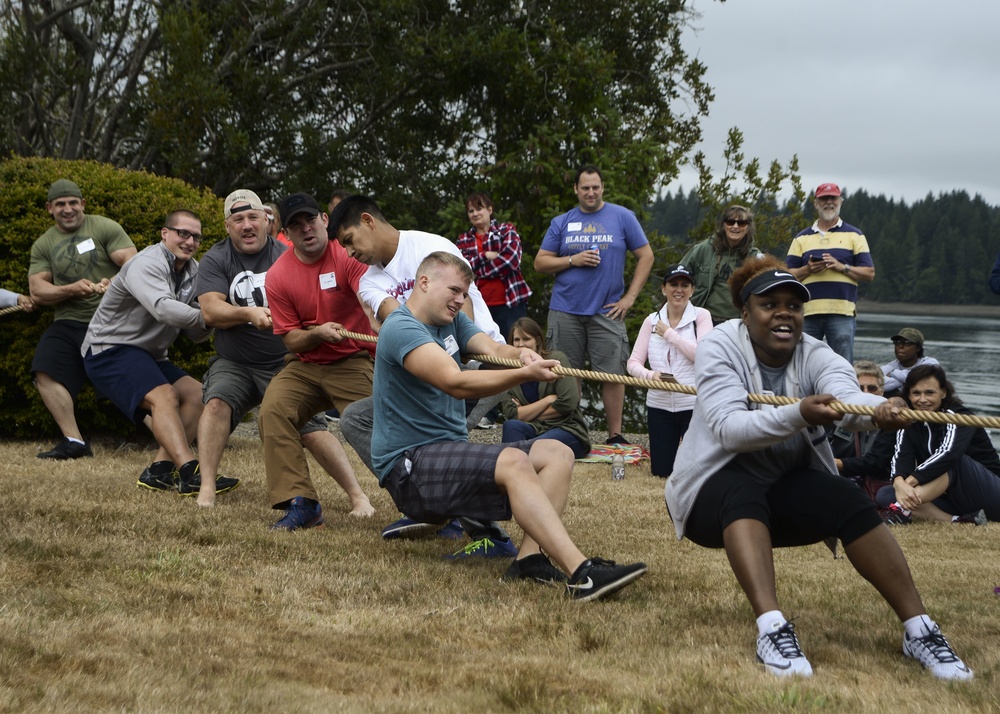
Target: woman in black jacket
{"type": "Point", "coordinates": [942, 472]}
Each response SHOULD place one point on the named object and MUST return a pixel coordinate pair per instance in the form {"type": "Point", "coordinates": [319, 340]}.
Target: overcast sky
{"type": "Point", "coordinates": [900, 97]}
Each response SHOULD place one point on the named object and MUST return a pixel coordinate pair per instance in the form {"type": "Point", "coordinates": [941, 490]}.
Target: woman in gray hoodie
{"type": "Point", "coordinates": [752, 477]}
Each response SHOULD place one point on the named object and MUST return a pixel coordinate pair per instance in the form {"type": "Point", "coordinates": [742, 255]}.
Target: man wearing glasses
{"type": "Point", "coordinates": [831, 258]}
{"type": "Point", "coordinates": [72, 264]}
{"type": "Point", "coordinates": [231, 290]}
{"type": "Point", "coordinates": [125, 351]}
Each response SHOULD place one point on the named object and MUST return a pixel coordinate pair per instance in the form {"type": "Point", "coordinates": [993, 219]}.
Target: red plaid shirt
{"type": "Point", "coordinates": [503, 239]}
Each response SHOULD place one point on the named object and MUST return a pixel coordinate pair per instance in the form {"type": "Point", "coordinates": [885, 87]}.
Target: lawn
{"type": "Point", "coordinates": [116, 599]}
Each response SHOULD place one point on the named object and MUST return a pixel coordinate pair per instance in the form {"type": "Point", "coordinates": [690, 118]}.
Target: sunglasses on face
{"type": "Point", "coordinates": [904, 343]}
{"type": "Point", "coordinates": [735, 222]}
{"type": "Point", "coordinates": [870, 388]}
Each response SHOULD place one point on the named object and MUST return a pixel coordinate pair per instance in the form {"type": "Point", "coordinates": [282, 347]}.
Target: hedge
{"type": "Point", "coordinates": [139, 201]}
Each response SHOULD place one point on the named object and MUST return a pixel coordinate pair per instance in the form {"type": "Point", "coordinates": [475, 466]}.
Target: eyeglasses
{"type": "Point", "coordinates": [870, 388]}
{"type": "Point", "coordinates": [734, 222]}
{"type": "Point", "coordinates": [184, 235]}
{"type": "Point", "coordinates": [904, 343]}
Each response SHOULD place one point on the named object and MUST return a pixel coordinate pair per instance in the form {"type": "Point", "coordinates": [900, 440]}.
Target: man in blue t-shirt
{"type": "Point", "coordinates": [420, 448]}
{"type": "Point", "coordinates": [585, 250]}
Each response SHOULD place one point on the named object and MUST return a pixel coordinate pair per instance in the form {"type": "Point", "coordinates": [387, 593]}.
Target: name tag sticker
{"type": "Point", "coordinates": [86, 246]}
{"type": "Point", "coordinates": [450, 345]}
{"type": "Point", "coordinates": [327, 281]}
{"type": "Point", "coordinates": [574, 226]}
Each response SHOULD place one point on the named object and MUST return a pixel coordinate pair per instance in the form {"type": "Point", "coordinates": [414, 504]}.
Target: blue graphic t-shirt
{"type": "Point", "coordinates": [614, 231]}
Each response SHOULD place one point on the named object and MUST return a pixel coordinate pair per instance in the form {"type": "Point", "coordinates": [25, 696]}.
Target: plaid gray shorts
{"type": "Point", "coordinates": [437, 482]}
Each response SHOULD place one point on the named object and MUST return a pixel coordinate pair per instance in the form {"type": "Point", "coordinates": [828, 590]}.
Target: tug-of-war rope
{"type": "Point", "coordinates": [913, 414]}
{"type": "Point", "coordinates": [9, 310]}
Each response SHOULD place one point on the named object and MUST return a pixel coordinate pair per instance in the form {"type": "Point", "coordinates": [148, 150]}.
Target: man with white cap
{"type": "Point", "coordinates": [312, 293]}
{"type": "Point", "coordinates": [72, 264]}
{"type": "Point", "coordinates": [831, 257]}
{"type": "Point", "coordinates": [231, 289]}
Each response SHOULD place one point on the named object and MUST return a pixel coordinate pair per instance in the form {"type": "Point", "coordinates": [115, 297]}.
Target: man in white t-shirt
{"type": "Point", "coordinates": [392, 257]}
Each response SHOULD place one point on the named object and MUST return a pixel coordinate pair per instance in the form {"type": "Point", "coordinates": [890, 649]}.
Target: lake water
{"type": "Point", "coordinates": [967, 347]}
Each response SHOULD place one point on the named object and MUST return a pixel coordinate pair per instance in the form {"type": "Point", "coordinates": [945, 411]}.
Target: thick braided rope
{"type": "Point", "coordinates": [9, 310]}
{"type": "Point", "coordinates": [913, 414]}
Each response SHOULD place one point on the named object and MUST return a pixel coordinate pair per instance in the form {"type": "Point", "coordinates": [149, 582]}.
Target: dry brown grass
{"type": "Point", "coordinates": [119, 600]}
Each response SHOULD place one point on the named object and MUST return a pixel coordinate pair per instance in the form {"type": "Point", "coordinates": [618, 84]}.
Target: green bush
{"type": "Point", "coordinates": [139, 201]}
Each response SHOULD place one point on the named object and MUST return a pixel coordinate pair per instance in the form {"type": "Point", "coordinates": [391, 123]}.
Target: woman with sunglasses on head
{"type": "Point", "coordinates": [752, 477]}
{"type": "Point", "coordinates": [668, 339]}
{"type": "Point", "coordinates": [864, 456]}
{"type": "Point", "coordinates": [713, 260]}
{"type": "Point", "coordinates": [942, 472]}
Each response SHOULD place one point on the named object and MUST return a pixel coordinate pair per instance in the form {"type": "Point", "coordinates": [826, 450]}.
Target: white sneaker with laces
{"type": "Point", "coordinates": [779, 652]}
{"type": "Point", "coordinates": [933, 652]}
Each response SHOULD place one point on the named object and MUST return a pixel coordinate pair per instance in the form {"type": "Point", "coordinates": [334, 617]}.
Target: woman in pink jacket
{"type": "Point", "coordinates": [668, 339]}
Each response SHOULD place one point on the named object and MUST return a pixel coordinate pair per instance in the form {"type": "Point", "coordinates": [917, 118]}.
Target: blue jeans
{"type": "Point", "coordinates": [838, 330]}
{"type": "Point", "coordinates": [514, 430]}
{"type": "Point", "coordinates": [666, 429]}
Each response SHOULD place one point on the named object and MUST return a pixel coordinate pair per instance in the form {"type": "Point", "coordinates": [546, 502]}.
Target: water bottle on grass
{"type": "Point", "coordinates": [618, 467]}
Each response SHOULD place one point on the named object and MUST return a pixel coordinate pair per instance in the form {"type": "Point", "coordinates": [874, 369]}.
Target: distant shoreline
{"type": "Point", "coordinates": [907, 308]}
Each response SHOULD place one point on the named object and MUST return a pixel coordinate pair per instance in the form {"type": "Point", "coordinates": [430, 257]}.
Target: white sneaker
{"type": "Point", "coordinates": [933, 652]}
{"type": "Point", "coordinates": [780, 653]}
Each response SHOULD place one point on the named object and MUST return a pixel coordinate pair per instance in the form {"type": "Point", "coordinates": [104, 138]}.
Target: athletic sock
{"type": "Point", "coordinates": [770, 621]}
{"type": "Point", "coordinates": [919, 625]}
{"type": "Point", "coordinates": [75, 441]}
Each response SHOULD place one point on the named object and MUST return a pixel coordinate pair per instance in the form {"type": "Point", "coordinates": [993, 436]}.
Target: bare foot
{"type": "Point", "coordinates": [362, 508]}
{"type": "Point", "coordinates": [206, 495]}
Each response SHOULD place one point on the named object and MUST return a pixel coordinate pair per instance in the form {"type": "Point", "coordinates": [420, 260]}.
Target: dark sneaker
{"type": "Point", "coordinates": [486, 548]}
{"type": "Point", "coordinates": [893, 515]}
{"type": "Point", "coordinates": [158, 476]}
{"type": "Point", "coordinates": [67, 449]}
{"type": "Point", "coordinates": [616, 439]}
{"type": "Point", "coordinates": [597, 578]}
{"type": "Point", "coordinates": [302, 513]}
{"type": "Point", "coordinates": [933, 652]}
{"type": "Point", "coordinates": [191, 485]}
{"type": "Point", "coordinates": [451, 530]}
{"type": "Point", "coordinates": [409, 528]}
{"type": "Point", "coordinates": [978, 518]}
{"type": "Point", "coordinates": [535, 567]}
{"type": "Point", "coordinates": [780, 653]}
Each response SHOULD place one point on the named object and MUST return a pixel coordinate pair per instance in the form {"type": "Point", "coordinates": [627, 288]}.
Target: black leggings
{"type": "Point", "coordinates": [803, 506]}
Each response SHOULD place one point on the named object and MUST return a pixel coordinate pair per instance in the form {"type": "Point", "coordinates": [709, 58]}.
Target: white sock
{"type": "Point", "coordinates": [919, 626]}
{"type": "Point", "coordinates": [905, 511]}
{"type": "Point", "coordinates": [770, 621]}
{"type": "Point", "coordinates": [75, 441]}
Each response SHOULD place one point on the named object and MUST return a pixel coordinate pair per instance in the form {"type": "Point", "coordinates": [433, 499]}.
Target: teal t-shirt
{"type": "Point", "coordinates": [409, 412]}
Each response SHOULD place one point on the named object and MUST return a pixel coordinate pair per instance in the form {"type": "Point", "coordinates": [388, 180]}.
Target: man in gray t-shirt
{"type": "Point", "coordinates": [231, 291]}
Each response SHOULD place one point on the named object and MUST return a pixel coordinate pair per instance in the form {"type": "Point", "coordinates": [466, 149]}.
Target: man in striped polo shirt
{"type": "Point", "coordinates": [831, 257]}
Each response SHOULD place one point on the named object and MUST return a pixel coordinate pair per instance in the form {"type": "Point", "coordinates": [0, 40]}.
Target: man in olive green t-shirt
{"type": "Point", "coordinates": [72, 264]}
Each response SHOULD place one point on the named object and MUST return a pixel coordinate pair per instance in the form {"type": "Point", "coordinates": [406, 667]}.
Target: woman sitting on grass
{"type": "Point", "coordinates": [753, 477]}
{"type": "Point", "coordinates": [544, 410]}
{"type": "Point", "coordinates": [668, 339]}
{"type": "Point", "coordinates": [942, 472]}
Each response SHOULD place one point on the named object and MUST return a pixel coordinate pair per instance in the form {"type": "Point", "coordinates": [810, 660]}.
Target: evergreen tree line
{"type": "Point", "coordinates": [939, 250]}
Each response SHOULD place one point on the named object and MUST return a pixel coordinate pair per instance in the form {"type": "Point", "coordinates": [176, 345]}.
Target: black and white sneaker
{"type": "Point", "coordinates": [933, 652]}
{"type": "Point", "coordinates": [535, 567]}
{"type": "Point", "coordinates": [597, 578]}
{"type": "Point", "coordinates": [66, 449]}
{"type": "Point", "coordinates": [978, 518]}
{"type": "Point", "coordinates": [780, 653]}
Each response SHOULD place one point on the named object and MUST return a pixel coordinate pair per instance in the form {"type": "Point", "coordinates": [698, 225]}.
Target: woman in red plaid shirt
{"type": "Point", "coordinates": [494, 251]}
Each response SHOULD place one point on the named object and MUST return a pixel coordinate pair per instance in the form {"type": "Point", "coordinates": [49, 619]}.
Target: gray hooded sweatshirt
{"type": "Point", "coordinates": [725, 423]}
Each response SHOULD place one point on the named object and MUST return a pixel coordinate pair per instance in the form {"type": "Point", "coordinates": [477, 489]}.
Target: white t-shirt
{"type": "Point", "coordinates": [397, 278]}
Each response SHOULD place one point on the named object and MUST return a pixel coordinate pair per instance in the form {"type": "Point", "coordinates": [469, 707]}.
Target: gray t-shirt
{"type": "Point", "coordinates": [771, 462]}
{"type": "Point", "coordinates": [241, 277]}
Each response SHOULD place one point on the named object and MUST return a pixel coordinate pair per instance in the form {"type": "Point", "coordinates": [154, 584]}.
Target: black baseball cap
{"type": "Point", "coordinates": [771, 279]}
{"type": "Point", "coordinates": [295, 204]}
